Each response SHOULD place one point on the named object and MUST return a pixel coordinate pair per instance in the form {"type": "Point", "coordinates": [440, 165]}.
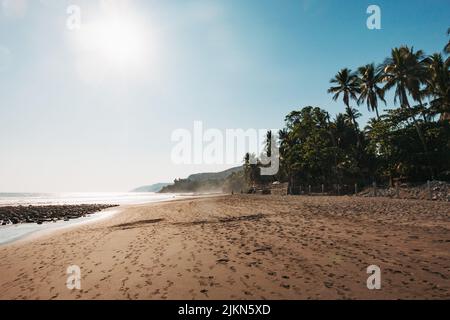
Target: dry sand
{"type": "Point", "coordinates": [242, 247]}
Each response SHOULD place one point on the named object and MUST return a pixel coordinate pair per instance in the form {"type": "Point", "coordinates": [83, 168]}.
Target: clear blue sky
{"type": "Point", "coordinates": [69, 121]}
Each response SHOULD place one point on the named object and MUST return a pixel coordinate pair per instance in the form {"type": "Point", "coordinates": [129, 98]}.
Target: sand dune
{"type": "Point", "coordinates": [242, 247]}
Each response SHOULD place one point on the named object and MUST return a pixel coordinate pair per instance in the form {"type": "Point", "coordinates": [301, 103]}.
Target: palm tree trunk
{"type": "Point", "coordinates": [376, 110]}
{"type": "Point", "coordinates": [355, 125]}
{"type": "Point", "coordinates": [421, 137]}
{"type": "Point", "coordinates": [423, 113]}
{"type": "Point", "coordinates": [333, 141]}
{"type": "Point", "coordinates": [424, 144]}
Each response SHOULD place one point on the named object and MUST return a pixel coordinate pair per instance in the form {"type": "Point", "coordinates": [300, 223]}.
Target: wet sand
{"type": "Point", "coordinates": [242, 247]}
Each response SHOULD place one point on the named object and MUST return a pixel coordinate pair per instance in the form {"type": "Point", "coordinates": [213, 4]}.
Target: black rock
{"type": "Point", "coordinates": [40, 214]}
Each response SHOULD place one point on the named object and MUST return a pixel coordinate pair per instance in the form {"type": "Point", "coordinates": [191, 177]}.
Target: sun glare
{"type": "Point", "coordinates": [119, 42]}
{"type": "Point", "coordinates": [111, 43]}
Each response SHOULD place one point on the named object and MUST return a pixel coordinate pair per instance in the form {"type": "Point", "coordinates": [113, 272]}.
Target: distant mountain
{"type": "Point", "coordinates": [207, 182]}
{"type": "Point", "coordinates": [152, 188]}
{"type": "Point", "coordinates": [214, 175]}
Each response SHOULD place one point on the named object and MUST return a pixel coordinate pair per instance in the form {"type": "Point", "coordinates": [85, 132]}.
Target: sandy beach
{"type": "Point", "coordinates": [242, 247]}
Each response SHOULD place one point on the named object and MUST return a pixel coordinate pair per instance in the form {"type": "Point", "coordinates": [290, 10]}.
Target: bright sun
{"type": "Point", "coordinates": [119, 42]}
{"type": "Point", "coordinates": [112, 43]}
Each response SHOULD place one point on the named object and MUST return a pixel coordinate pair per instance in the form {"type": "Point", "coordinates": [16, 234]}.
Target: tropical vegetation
{"type": "Point", "coordinates": [409, 141]}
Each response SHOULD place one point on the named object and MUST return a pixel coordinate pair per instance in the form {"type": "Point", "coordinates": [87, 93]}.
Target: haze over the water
{"type": "Point", "coordinates": [93, 109]}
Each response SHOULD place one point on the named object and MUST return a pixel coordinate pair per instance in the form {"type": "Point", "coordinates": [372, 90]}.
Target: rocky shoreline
{"type": "Point", "coordinates": [53, 213]}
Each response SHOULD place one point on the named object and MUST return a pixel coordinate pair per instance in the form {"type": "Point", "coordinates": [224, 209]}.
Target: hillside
{"type": "Point", "coordinates": [152, 188]}
{"type": "Point", "coordinates": [208, 182]}
{"type": "Point", "coordinates": [214, 175]}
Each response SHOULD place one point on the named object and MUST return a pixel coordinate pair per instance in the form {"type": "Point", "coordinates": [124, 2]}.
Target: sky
{"type": "Point", "coordinates": [93, 108]}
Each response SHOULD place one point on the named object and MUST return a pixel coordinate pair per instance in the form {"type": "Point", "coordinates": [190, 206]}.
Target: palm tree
{"type": "Point", "coordinates": [287, 157]}
{"type": "Point", "coordinates": [331, 128]}
{"type": "Point", "coordinates": [438, 85]}
{"type": "Point", "coordinates": [251, 169]}
{"type": "Point", "coordinates": [447, 47]}
{"type": "Point", "coordinates": [370, 92]}
{"type": "Point", "coordinates": [405, 70]}
{"type": "Point", "coordinates": [347, 84]}
{"type": "Point", "coordinates": [268, 144]}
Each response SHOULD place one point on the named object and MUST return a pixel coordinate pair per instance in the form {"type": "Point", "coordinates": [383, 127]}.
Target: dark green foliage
{"type": "Point", "coordinates": [407, 143]}
{"type": "Point", "coordinates": [190, 186]}
{"type": "Point", "coordinates": [231, 180]}
{"type": "Point", "coordinates": [410, 142]}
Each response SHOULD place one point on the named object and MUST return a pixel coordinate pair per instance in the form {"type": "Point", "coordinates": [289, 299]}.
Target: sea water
{"type": "Point", "coordinates": [12, 233]}
{"type": "Point", "coordinates": [25, 199]}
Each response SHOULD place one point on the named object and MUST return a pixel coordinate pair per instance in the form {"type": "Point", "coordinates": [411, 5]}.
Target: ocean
{"type": "Point", "coordinates": [25, 199]}
{"type": "Point", "coordinates": [10, 233]}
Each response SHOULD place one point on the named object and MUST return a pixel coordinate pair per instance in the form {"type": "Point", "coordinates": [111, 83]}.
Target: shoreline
{"type": "Point", "coordinates": [241, 247]}
{"type": "Point", "coordinates": [37, 214]}
{"type": "Point", "coordinates": [32, 231]}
